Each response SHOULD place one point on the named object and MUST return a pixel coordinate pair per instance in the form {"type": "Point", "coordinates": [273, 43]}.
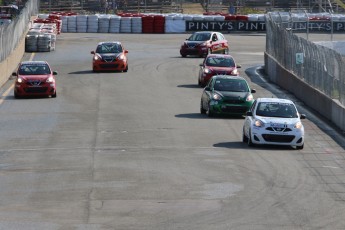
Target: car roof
{"type": "Point", "coordinates": [33, 62]}
{"type": "Point", "coordinates": [220, 55]}
{"type": "Point", "coordinates": [109, 42]}
{"type": "Point", "coordinates": [228, 77]}
{"type": "Point", "coordinates": [273, 99]}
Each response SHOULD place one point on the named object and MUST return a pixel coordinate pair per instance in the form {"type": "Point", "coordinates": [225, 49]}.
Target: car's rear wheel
{"type": "Point", "coordinates": [202, 110]}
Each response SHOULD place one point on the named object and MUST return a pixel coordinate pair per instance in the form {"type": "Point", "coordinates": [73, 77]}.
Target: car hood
{"type": "Point", "coordinates": [193, 43]}
{"type": "Point", "coordinates": [109, 55]}
{"type": "Point", "coordinates": [217, 68]}
{"type": "Point", "coordinates": [233, 95]}
{"type": "Point", "coordinates": [35, 77]}
{"type": "Point", "coordinates": [277, 120]}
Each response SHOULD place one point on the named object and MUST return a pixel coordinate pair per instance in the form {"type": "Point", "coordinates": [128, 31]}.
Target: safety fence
{"type": "Point", "coordinates": [10, 34]}
{"type": "Point", "coordinates": [320, 67]}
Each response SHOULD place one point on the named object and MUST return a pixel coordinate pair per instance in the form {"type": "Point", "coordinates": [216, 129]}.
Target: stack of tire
{"type": "Point", "coordinates": [159, 24]}
{"type": "Point", "coordinates": [147, 24]}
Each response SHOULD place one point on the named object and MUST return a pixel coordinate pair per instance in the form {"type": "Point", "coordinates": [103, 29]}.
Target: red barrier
{"type": "Point", "coordinates": [159, 24]}
{"type": "Point", "coordinates": [147, 24]}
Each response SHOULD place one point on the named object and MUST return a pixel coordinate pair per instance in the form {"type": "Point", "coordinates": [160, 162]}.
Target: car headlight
{"type": "Point", "coordinates": [216, 97]}
{"type": "Point", "coordinates": [207, 70]}
{"type": "Point", "coordinates": [96, 57]}
{"type": "Point", "coordinates": [20, 80]}
{"type": "Point", "coordinates": [250, 97]}
{"type": "Point", "coordinates": [258, 123]}
{"type": "Point", "coordinates": [298, 125]}
{"type": "Point", "coordinates": [234, 72]}
{"type": "Point", "coordinates": [121, 57]}
{"type": "Point", "coordinates": [50, 79]}
{"type": "Point", "coordinates": [203, 44]}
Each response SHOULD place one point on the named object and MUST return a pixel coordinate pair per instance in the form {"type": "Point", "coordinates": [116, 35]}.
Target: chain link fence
{"type": "Point", "coordinates": [11, 34]}
{"type": "Point", "coordinates": [319, 66]}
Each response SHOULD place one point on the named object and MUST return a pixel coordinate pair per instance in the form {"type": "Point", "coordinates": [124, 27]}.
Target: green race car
{"type": "Point", "coordinates": [226, 95]}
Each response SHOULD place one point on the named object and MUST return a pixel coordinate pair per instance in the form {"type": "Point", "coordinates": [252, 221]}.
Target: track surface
{"type": "Point", "coordinates": [130, 151]}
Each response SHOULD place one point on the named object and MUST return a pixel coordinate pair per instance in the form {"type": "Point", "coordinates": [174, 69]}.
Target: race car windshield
{"type": "Point", "coordinates": [109, 48]}
{"type": "Point", "coordinates": [231, 85]}
{"type": "Point", "coordinates": [200, 37]}
{"type": "Point", "coordinates": [42, 69]}
{"type": "Point", "coordinates": [220, 62]}
{"type": "Point", "coordinates": [273, 109]}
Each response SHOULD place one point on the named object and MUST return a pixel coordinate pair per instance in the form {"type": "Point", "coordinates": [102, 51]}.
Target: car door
{"type": "Point", "coordinates": [223, 43]}
{"type": "Point", "coordinates": [215, 45]}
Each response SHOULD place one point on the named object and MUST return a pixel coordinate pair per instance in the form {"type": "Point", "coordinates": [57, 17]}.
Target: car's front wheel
{"type": "Point", "coordinates": [226, 51]}
{"type": "Point", "coordinates": [300, 147]}
{"type": "Point", "coordinates": [126, 70]}
{"type": "Point", "coordinates": [249, 139]}
{"type": "Point", "coordinates": [244, 137]}
{"type": "Point", "coordinates": [202, 110]}
{"type": "Point", "coordinates": [208, 111]}
{"type": "Point", "coordinates": [54, 95]}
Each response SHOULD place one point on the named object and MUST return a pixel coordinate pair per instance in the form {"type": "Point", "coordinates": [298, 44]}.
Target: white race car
{"type": "Point", "coordinates": [273, 121]}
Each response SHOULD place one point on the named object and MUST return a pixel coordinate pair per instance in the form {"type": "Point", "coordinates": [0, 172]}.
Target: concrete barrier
{"type": "Point", "coordinates": [329, 108]}
{"type": "Point", "coordinates": [10, 64]}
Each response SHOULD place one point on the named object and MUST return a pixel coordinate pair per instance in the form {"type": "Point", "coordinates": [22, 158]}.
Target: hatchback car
{"type": "Point", "coordinates": [34, 78]}
{"type": "Point", "coordinates": [226, 95]}
{"type": "Point", "coordinates": [217, 64]}
{"type": "Point", "coordinates": [110, 56]}
{"type": "Point", "coordinates": [203, 43]}
{"type": "Point", "coordinates": [274, 121]}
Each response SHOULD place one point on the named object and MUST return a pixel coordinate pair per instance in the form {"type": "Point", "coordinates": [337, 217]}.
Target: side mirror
{"type": "Point", "coordinates": [253, 91]}
{"type": "Point", "coordinates": [55, 73]}
{"type": "Point", "coordinates": [302, 116]}
{"type": "Point", "coordinates": [92, 52]}
{"type": "Point", "coordinates": [207, 88]}
{"type": "Point", "coordinates": [249, 113]}
{"type": "Point", "coordinates": [201, 64]}
{"type": "Point", "coordinates": [14, 74]}
{"type": "Point", "coordinates": [239, 66]}
{"type": "Point", "coordinates": [126, 51]}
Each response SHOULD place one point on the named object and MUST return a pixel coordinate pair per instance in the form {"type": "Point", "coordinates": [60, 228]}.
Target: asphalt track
{"type": "Point", "coordinates": [131, 151]}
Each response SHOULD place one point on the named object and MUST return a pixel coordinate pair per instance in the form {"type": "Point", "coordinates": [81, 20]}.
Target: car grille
{"type": "Point", "coordinates": [109, 66]}
{"type": "Point", "coordinates": [278, 138]}
{"type": "Point", "coordinates": [233, 101]}
{"type": "Point", "coordinates": [34, 82]}
{"type": "Point", "coordinates": [235, 109]}
{"type": "Point", "coordinates": [109, 59]}
{"type": "Point", "coordinates": [222, 73]}
{"type": "Point", "coordinates": [36, 90]}
{"type": "Point", "coordinates": [278, 129]}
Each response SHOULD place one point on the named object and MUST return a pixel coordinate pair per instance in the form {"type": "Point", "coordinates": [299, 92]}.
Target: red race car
{"type": "Point", "coordinates": [204, 43]}
{"type": "Point", "coordinates": [34, 78]}
{"type": "Point", "coordinates": [110, 56]}
{"type": "Point", "coordinates": [217, 64]}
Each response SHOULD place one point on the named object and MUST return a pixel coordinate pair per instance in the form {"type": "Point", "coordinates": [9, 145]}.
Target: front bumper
{"type": "Point", "coordinates": [221, 108]}
{"type": "Point", "coordinates": [118, 65]}
{"type": "Point", "coordinates": [199, 51]}
{"type": "Point", "coordinates": [47, 89]}
{"type": "Point", "coordinates": [293, 138]}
